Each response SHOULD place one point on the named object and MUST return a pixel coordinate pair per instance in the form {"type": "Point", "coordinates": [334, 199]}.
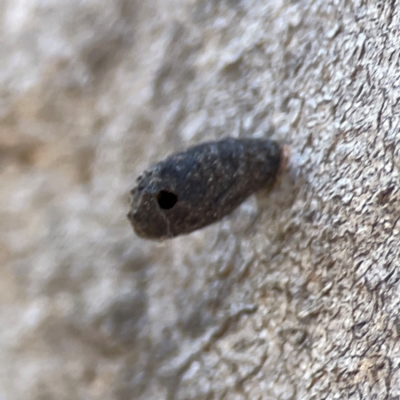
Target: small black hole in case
{"type": "Point", "coordinates": [166, 200]}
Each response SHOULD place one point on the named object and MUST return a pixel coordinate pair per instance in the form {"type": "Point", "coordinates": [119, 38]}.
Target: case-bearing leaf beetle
{"type": "Point", "coordinates": [198, 186]}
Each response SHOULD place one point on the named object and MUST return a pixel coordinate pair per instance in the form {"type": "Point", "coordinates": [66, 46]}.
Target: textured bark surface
{"type": "Point", "coordinates": [294, 296]}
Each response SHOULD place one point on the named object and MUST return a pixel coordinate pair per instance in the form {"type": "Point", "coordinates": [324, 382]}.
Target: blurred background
{"type": "Point", "coordinates": [91, 92]}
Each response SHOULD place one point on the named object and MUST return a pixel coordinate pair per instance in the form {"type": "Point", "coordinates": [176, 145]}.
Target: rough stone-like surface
{"type": "Point", "coordinates": [294, 296]}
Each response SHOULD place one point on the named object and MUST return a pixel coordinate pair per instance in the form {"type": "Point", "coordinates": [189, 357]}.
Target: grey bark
{"type": "Point", "coordinates": [294, 296]}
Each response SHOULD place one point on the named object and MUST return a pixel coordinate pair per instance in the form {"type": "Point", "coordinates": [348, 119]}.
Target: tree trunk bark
{"type": "Point", "coordinates": [293, 296]}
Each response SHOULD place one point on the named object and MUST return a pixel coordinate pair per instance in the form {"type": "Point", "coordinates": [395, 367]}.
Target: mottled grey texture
{"type": "Point", "coordinates": [199, 186]}
{"type": "Point", "coordinates": [295, 296]}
